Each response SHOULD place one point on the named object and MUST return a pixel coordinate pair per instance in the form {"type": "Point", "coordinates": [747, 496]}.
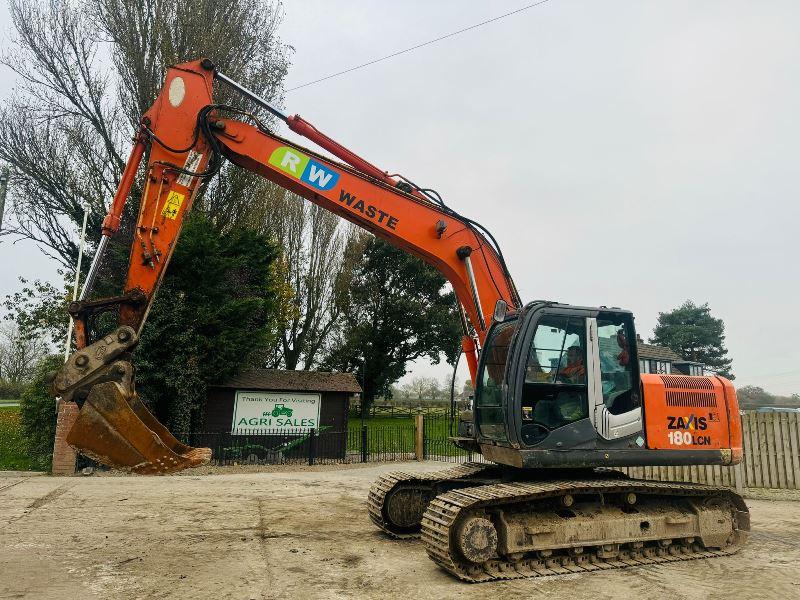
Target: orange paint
{"type": "Point", "coordinates": [691, 413]}
{"type": "Point", "coordinates": [402, 219]}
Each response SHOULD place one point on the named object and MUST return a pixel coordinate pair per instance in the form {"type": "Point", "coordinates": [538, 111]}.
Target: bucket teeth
{"type": "Point", "coordinates": [116, 429]}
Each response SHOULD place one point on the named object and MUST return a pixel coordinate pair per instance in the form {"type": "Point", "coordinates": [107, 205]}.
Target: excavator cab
{"type": "Point", "coordinates": [559, 386]}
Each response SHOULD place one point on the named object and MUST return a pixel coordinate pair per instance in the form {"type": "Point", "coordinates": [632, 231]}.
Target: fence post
{"type": "Point", "coordinates": [364, 443]}
{"type": "Point", "coordinates": [312, 442]}
{"type": "Point", "coordinates": [738, 476]}
{"type": "Point", "coordinates": [420, 437]}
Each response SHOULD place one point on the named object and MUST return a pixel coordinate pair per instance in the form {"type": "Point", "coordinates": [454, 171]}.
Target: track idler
{"type": "Point", "coordinates": [113, 426]}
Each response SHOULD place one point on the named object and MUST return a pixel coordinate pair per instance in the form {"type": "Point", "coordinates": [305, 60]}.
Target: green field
{"type": "Point", "coordinates": [389, 435]}
{"type": "Point", "coordinates": [13, 455]}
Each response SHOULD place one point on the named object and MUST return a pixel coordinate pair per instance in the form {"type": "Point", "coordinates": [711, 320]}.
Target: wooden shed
{"type": "Point", "coordinates": [274, 404]}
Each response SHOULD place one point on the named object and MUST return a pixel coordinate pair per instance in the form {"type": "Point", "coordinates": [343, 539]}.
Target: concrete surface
{"type": "Point", "coordinates": [303, 532]}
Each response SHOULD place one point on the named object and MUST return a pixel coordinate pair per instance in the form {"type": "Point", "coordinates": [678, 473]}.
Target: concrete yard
{"type": "Point", "coordinates": [299, 532]}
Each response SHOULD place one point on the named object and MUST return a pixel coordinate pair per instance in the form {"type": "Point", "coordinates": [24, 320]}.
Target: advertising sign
{"type": "Point", "coordinates": [291, 411]}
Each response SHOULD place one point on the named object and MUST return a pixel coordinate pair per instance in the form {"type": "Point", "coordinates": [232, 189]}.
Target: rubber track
{"type": "Point", "coordinates": [445, 509]}
{"type": "Point", "coordinates": [386, 483]}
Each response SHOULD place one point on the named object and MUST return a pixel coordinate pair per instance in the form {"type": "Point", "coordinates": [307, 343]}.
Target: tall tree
{"type": "Point", "coordinates": [692, 332]}
{"type": "Point", "coordinates": [313, 241]}
{"type": "Point", "coordinates": [395, 310]}
{"type": "Point", "coordinates": [87, 70]}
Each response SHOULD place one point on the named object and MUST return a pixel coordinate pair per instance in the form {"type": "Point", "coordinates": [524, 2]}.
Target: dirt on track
{"type": "Point", "coordinates": [305, 533]}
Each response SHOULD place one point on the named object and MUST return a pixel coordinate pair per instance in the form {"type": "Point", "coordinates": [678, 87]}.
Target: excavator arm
{"type": "Point", "coordinates": [182, 141]}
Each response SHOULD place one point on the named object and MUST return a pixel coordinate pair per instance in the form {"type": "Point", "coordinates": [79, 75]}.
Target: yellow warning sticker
{"type": "Point", "coordinates": [173, 205]}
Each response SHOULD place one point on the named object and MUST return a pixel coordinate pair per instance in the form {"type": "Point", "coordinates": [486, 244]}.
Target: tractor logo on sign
{"type": "Point", "coordinates": [281, 411]}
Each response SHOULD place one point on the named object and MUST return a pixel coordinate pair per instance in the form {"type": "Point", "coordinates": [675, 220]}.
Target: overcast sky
{"type": "Point", "coordinates": [632, 154]}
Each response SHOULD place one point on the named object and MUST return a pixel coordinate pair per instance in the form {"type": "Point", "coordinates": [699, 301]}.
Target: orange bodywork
{"type": "Point", "coordinates": [403, 219]}
{"type": "Point", "coordinates": [692, 413]}
{"type": "Point", "coordinates": [183, 140]}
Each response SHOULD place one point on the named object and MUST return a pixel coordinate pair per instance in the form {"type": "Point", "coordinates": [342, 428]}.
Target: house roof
{"type": "Point", "coordinates": [296, 381]}
{"type": "Point", "coordinates": [650, 352]}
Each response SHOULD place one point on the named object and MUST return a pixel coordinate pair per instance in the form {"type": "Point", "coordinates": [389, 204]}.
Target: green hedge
{"type": "Point", "coordinates": [38, 415]}
{"type": "Point", "coordinates": [10, 391]}
{"type": "Point", "coordinates": [27, 431]}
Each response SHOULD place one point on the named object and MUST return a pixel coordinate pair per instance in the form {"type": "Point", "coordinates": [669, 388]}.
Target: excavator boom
{"type": "Point", "coordinates": [185, 137]}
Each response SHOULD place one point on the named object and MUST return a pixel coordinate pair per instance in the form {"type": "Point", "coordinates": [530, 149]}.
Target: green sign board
{"type": "Point", "coordinates": [289, 411]}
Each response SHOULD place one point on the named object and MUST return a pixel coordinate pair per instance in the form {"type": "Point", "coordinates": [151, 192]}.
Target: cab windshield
{"type": "Point", "coordinates": [555, 391]}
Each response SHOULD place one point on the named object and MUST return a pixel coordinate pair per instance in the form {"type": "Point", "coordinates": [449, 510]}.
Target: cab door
{"type": "Point", "coordinates": [613, 376]}
{"type": "Point", "coordinates": [490, 392]}
{"type": "Point", "coordinates": [551, 387]}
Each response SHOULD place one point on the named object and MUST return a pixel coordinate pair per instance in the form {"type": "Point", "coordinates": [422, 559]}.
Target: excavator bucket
{"type": "Point", "coordinates": [117, 430]}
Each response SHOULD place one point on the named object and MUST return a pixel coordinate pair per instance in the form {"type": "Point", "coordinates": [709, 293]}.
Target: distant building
{"type": "Point", "coordinates": [657, 359]}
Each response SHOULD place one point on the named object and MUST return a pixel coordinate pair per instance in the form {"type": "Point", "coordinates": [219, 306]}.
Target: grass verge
{"type": "Point", "coordinates": [13, 453]}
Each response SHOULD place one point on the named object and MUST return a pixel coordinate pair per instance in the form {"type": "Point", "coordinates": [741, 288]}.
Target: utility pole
{"type": "Point", "coordinates": [3, 188]}
{"type": "Point", "coordinates": [68, 344]}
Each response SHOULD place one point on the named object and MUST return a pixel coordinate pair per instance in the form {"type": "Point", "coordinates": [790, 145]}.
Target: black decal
{"type": "Point", "coordinates": [701, 423]}
{"type": "Point", "coordinates": [345, 197]}
{"type": "Point", "coordinates": [368, 210]}
{"type": "Point", "coordinates": [671, 423]}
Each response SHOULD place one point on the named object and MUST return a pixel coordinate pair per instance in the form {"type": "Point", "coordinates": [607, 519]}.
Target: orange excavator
{"type": "Point", "coordinates": [559, 397]}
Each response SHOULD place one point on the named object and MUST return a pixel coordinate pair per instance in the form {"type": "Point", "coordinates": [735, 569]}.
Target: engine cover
{"type": "Point", "coordinates": [691, 413]}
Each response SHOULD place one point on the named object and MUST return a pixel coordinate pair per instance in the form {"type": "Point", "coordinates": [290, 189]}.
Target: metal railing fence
{"type": "Point", "coordinates": [771, 444]}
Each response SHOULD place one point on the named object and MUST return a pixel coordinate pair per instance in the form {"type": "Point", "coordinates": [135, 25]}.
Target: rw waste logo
{"type": "Point", "coordinates": [304, 168]}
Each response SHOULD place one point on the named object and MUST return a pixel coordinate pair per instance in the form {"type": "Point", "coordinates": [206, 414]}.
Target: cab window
{"type": "Point", "coordinates": [554, 392]}
{"type": "Point", "coordinates": [616, 367]}
{"type": "Point", "coordinates": [489, 413]}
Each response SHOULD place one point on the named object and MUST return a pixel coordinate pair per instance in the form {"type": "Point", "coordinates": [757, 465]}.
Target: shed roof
{"type": "Point", "coordinates": [297, 381]}
{"type": "Point", "coordinates": [650, 352]}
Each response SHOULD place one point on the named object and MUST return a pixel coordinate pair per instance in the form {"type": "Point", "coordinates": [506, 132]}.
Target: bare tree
{"type": "Point", "coordinates": [436, 390]}
{"type": "Point", "coordinates": [60, 131]}
{"type": "Point", "coordinates": [19, 354]}
{"type": "Point", "coordinates": [421, 387]}
{"type": "Point", "coordinates": [313, 242]}
{"type": "Point", "coordinates": [238, 35]}
{"type": "Point", "coordinates": [66, 131]}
